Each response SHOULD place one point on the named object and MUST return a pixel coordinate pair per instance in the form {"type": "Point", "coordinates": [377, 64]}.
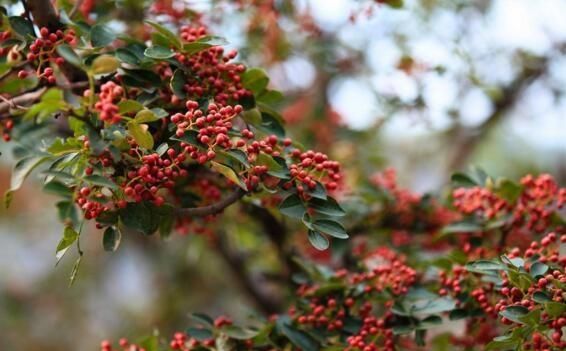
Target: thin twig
{"type": "Point", "coordinates": [265, 301]}
{"type": "Point", "coordinates": [75, 8]}
{"type": "Point", "coordinates": [24, 99]}
{"type": "Point", "coordinates": [214, 208]}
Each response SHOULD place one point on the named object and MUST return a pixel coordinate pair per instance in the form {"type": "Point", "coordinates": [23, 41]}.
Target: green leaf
{"type": "Point", "coordinates": [465, 226]}
{"type": "Point", "coordinates": [171, 37]}
{"type": "Point", "coordinates": [200, 334]}
{"type": "Point", "coordinates": [396, 4]}
{"type": "Point", "coordinates": [228, 173]}
{"type": "Point", "coordinates": [159, 112]}
{"type": "Point", "coordinates": [255, 79]}
{"type": "Point", "coordinates": [21, 26]}
{"type": "Point", "coordinates": [127, 56]}
{"type": "Point", "coordinates": [237, 155]}
{"type": "Point", "coordinates": [159, 52]}
{"type": "Point", "coordinates": [327, 207]}
{"type": "Point", "coordinates": [319, 192]}
{"type": "Point", "coordinates": [145, 116]}
{"type": "Point", "coordinates": [21, 170]}
{"type": "Point", "coordinates": [140, 134]}
{"type": "Point", "coordinates": [58, 188]}
{"type": "Point", "coordinates": [69, 237]}
{"type": "Point", "coordinates": [541, 297]}
{"type": "Point", "coordinates": [555, 309]}
{"type": "Point", "coordinates": [101, 35]}
{"type": "Point", "coordinates": [252, 116]}
{"type": "Point", "coordinates": [195, 47]}
{"type": "Point", "coordinates": [318, 240]}
{"type": "Point", "coordinates": [462, 180]}
{"type": "Point", "coordinates": [508, 190]}
{"type": "Point", "coordinates": [140, 216]}
{"type": "Point", "coordinates": [167, 221]}
{"type": "Point", "coordinates": [202, 319]}
{"type": "Point", "coordinates": [101, 181]}
{"type": "Point", "coordinates": [111, 239]}
{"type": "Point", "coordinates": [297, 337]}
{"type": "Point", "coordinates": [177, 84]}
{"type": "Point", "coordinates": [514, 313]}
{"type": "Point", "coordinates": [484, 266]}
{"type": "Point", "coordinates": [503, 343]}
{"type": "Point", "coordinates": [538, 269]}
{"type": "Point", "coordinates": [75, 270]}
{"type": "Point", "coordinates": [129, 106]}
{"type": "Point", "coordinates": [238, 333]}
{"type": "Point", "coordinates": [331, 228]}
{"type": "Point", "coordinates": [67, 53]}
{"type": "Point", "coordinates": [442, 304]}
{"type": "Point", "coordinates": [105, 64]}
{"type": "Point", "coordinates": [292, 206]}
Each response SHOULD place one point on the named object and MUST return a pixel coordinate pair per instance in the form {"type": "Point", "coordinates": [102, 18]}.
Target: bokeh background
{"type": "Point", "coordinates": [430, 88]}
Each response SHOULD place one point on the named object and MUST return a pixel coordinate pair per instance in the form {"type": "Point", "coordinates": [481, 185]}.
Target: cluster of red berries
{"type": "Point", "coordinates": [213, 75]}
{"type": "Point", "coordinates": [386, 270]}
{"type": "Point", "coordinates": [155, 173]}
{"type": "Point", "coordinates": [212, 127]}
{"type": "Point", "coordinates": [550, 284]}
{"type": "Point", "coordinates": [310, 167]}
{"type": "Point", "coordinates": [7, 50]}
{"type": "Point", "coordinates": [539, 199]}
{"type": "Point", "coordinates": [404, 211]}
{"type": "Point", "coordinates": [180, 341]}
{"type": "Point", "coordinates": [43, 50]}
{"type": "Point", "coordinates": [110, 94]}
{"type": "Point", "coordinates": [90, 200]}
{"type": "Point", "coordinates": [7, 125]}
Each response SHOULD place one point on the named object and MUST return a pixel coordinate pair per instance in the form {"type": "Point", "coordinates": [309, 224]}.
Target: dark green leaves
{"type": "Point", "coordinates": [297, 337]}
{"type": "Point", "coordinates": [514, 313]}
{"type": "Point", "coordinates": [101, 36]}
{"type": "Point", "coordinates": [328, 207]}
{"type": "Point", "coordinates": [331, 228]}
{"type": "Point", "coordinates": [159, 52]}
{"type": "Point", "coordinates": [20, 172]}
{"type": "Point", "coordinates": [141, 217]}
{"type": "Point", "coordinates": [170, 37]}
{"type": "Point", "coordinates": [255, 79]}
{"type": "Point", "coordinates": [466, 226]}
{"type": "Point", "coordinates": [101, 181]}
{"type": "Point", "coordinates": [293, 207]}
{"type": "Point", "coordinates": [484, 266]}
{"type": "Point", "coordinates": [318, 240]}
{"type": "Point", "coordinates": [67, 52]}
{"type": "Point", "coordinates": [178, 83]}
{"type": "Point", "coordinates": [111, 239]}
{"type": "Point", "coordinates": [538, 269]}
{"type": "Point", "coordinates": [21, 26]}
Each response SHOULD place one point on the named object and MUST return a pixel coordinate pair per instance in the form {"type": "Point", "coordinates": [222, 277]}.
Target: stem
{"type": "Point", "coordinates": [214, 208]}
{"type": "Point", "coordinates": [265, 301]}
{"type": "Point", "coordinates": [91, 89]}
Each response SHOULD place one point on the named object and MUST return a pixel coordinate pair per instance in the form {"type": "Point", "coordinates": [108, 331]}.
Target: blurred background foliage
{"type": "Point", "coordinates": [428, 88]}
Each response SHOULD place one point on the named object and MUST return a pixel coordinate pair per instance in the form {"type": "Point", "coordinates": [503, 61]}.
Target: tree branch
{"type": "Point", "coordinates": [277, 233]}
{"type": "Point", "coordinates": [76, 7]}
{"type": "Point", "coordinates": [214, 208]}
{"type": "Point", "coordinates": [264, 300]}
{"type": "Point", "coordinates": [468, 139]}
{"type": "Point", "coordinates": [24, 99]}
